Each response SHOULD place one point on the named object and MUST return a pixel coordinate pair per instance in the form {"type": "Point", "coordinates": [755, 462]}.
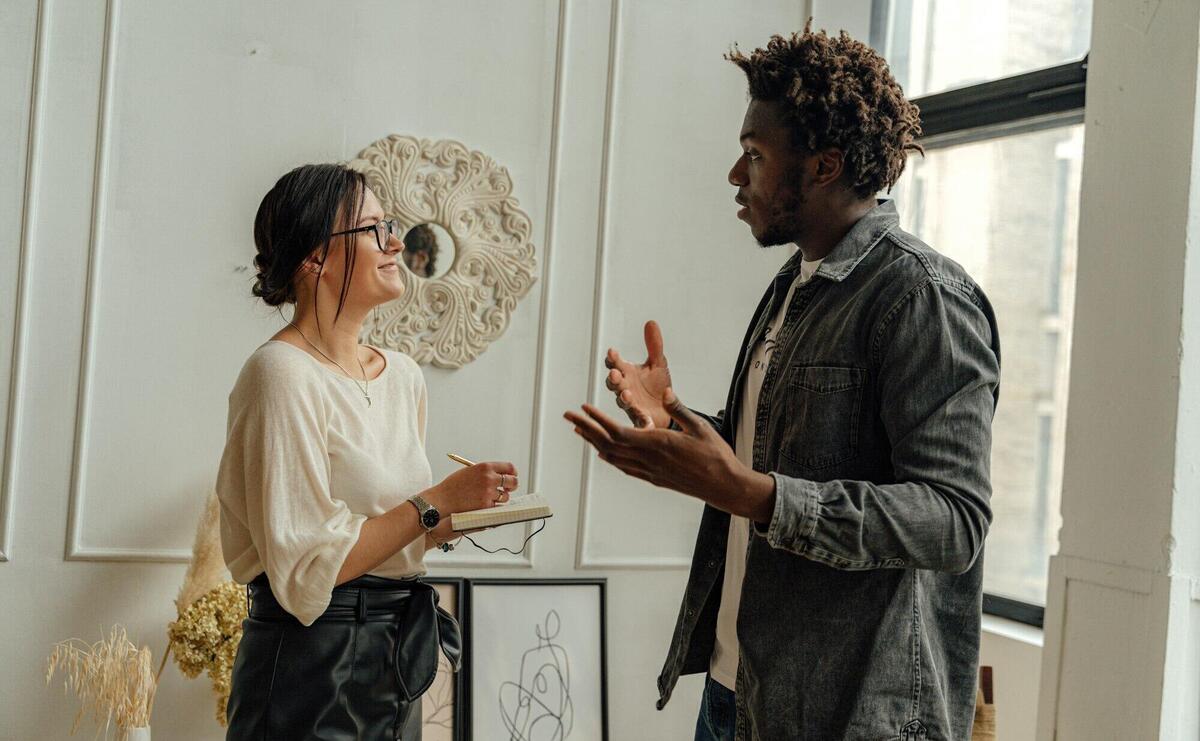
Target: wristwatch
{"type": "Point", "coordinates": [427, 514]}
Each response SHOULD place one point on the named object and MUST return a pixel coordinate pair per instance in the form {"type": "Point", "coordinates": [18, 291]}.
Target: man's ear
{"type": "Point", "coordinates": [829, 164]}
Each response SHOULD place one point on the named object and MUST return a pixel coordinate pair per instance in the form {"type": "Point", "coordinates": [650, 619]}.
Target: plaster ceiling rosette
{"type": "Point", "coordinates": [448, 319]}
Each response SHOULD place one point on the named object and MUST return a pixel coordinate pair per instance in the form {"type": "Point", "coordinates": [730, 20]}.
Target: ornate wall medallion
{"type": "Point", "coordinates": [468, 252]}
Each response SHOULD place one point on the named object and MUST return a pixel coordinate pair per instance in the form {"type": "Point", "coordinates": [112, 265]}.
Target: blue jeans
{"type": "Point", "coordinates": [718, 713]}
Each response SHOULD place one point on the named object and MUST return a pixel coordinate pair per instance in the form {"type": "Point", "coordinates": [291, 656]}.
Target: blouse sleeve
{"type": "Point", "coordinates": [277, 460]}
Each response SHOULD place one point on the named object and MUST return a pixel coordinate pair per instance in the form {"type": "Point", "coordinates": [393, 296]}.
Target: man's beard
{"type": "Point", "coordinates": [783, 221]}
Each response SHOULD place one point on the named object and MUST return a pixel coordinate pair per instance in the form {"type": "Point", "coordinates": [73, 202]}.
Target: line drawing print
{"type": "Point", "coordinates": [439, 711]}
{"type": "Point", "coordinates": [538, 705]}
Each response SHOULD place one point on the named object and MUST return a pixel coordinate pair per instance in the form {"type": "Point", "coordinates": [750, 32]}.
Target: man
{"type": "Point", "coordinates": [835, 590]}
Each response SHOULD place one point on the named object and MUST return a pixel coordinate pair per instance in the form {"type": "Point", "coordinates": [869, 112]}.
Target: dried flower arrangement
{"type": "Point", "coordinates": [112, 677]}
{"type": "Point", "coordinates": [211, 609]}
{"type": "Point", "coordinates": [206, 636]}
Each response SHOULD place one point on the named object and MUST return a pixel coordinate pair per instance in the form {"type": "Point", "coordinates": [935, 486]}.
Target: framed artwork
{"type": "Point", "coordinates": [443, 704]}
{"type": "Point", "coordinates": [537, 660]}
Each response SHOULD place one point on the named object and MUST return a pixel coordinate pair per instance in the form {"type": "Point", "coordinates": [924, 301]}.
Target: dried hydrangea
{"type": "Point", "coordinates": [205, 638]}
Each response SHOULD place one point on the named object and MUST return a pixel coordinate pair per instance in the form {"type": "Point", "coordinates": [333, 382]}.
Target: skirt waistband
{"type": "Point", "coordinates": [423, 626]}
{"type": "Point", "coordinates": [365, 598]}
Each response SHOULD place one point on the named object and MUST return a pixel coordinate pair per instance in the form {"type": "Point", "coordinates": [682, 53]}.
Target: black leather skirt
{"type": "Point", "coordinates": [356, 674]}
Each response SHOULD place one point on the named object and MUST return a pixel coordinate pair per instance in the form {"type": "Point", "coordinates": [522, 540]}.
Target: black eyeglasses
{"type": "Point", "coordinates": [384, 230]}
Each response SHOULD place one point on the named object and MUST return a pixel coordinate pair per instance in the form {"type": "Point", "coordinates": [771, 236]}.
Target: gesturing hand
{"type": "Point", "coordinates": [639, 389]}
{"type": "Point", "coordinates": [694, 460]}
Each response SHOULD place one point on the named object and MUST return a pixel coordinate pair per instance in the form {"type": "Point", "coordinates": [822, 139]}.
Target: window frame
{"type": "Point", "coordinates": [1030, 101]}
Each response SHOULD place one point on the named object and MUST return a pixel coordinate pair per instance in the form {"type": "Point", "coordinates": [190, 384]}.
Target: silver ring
{"type": "Point", "coordinates": [503, 479]}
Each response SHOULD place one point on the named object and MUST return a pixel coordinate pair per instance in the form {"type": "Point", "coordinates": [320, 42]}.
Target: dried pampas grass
{"type": "Point", "coordinates": [207, 567]}
{"type": "Point", "coordinates": [112, 678]}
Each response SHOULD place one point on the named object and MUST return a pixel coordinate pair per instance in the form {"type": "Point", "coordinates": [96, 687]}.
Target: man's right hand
{"type": "Point", "coordinates": [639, 389]}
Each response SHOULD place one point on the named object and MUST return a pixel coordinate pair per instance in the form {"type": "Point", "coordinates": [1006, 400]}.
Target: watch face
{"type": "Point", "coordinates": [430, 518]}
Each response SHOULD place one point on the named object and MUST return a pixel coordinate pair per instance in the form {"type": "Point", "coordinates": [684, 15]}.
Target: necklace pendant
{"type": "Point", "coordinates": [368, 400]}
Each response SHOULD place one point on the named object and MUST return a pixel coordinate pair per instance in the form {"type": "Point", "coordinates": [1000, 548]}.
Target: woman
{"type": "Point", "coordinates": [326, 502]}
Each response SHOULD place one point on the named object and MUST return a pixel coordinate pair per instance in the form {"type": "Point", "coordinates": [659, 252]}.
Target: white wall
{"type": "Point", "coordinates": [139, 137]}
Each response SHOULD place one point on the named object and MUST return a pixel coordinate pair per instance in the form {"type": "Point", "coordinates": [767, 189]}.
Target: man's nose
{"type": "Point", "coordinates": [736, 174]}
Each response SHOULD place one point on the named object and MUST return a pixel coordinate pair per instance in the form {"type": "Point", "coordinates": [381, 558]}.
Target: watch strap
{"type": "Point", "coordinates": [422, 506]}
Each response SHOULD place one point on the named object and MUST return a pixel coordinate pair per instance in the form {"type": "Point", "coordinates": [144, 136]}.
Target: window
{"type": "Point", "coordinates": [1001, 86]}
{"type": "Point", "coordinates": [938, 45]}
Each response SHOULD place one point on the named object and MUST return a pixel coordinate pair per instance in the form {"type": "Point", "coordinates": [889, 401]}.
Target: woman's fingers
{"type": "Point", "coordinates": [507, 482]}
{"type": "Point", "coordinates": [499, 467]}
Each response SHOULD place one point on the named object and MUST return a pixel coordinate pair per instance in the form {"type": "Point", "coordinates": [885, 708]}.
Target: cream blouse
{"type": "Point", "coordinates": [306, 462]}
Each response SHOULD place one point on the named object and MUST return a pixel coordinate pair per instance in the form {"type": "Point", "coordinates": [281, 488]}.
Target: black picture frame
{"type": "Point", "coordinates": [458, 731]}
{"type": "Point", "coordinates": [471, 663]}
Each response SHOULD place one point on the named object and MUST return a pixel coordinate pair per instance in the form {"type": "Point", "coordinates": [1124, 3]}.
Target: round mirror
{"type": "Point", "coordinates": [428, 250]}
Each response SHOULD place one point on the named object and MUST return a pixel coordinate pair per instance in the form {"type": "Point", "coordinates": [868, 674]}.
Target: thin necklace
{"type": "Point", "coordinates": [364, 387]}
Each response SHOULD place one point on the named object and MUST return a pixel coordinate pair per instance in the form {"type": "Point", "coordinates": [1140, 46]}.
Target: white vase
{"type": "Point", "coordinates": [136, 734]}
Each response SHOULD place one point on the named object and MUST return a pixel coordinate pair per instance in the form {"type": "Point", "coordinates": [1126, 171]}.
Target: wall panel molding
{"type": "Point", "coordinates": [14, 403]}
{"type": "Point", "coordinates": [536, 437]}
{"type": "Point", "coordinates": [583, 559]}
{"type": "Point", "coordinates": [76, 549]}
{"type": "Point", "coordinates": [600, 278]}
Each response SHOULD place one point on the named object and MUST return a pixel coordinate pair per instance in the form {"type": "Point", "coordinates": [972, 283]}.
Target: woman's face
{"type": "Point", "coordinates": [376, 277]}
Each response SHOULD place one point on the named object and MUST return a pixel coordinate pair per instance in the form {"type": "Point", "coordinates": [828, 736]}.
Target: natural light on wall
{"type": "Point", "coordinates": [1004, 202]}
{"type": "Point", "coordinates": [937, 45]}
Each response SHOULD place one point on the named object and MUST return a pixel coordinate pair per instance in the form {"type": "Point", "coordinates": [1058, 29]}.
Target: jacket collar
{"type": "Point", "coordinates": [857, 243]}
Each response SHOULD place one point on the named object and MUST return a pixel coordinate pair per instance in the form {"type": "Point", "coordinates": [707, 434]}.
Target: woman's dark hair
{"type": "Point", "coordinates": [421, 239]}
{"type": "Point", "coordinates": [295, 218]}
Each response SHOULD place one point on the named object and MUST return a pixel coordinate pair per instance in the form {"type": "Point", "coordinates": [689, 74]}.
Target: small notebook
{"type": "Point", "coordinates": [517, 509]}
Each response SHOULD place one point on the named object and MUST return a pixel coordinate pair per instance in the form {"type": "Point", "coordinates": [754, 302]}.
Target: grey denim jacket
{"type": "Point", "coordinates": [860, 609]}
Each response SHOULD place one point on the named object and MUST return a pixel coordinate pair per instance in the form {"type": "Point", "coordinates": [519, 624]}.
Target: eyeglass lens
{"type": "Point", "coordinates": [384, 231]}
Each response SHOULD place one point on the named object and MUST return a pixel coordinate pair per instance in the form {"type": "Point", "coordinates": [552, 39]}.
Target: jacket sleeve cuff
{"type": "Point", "coordinates": [794, 519]}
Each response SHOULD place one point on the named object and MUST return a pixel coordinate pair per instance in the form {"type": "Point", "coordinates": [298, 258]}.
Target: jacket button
{"type": "Point", "coordinates": [712, 564]}
{"type": "Point", "coordinates": [690, 612]}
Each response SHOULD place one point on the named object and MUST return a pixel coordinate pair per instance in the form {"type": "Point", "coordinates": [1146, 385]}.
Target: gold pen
{"type": "Point", "coordinates": [459, 459]}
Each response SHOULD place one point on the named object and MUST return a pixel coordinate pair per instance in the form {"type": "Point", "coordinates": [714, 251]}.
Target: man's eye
{"type": "Point", "coordinates": [752, 156]}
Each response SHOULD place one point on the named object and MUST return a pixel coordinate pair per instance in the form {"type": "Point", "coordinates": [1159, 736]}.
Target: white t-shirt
{"type": "Point", "coordinates": [724, 663]}
{"type": "Point", "coordinates": [306, 462]}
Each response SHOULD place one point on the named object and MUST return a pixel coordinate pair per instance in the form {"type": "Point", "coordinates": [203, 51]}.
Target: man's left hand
{"type": "Point", "coordinates": [694, 460]}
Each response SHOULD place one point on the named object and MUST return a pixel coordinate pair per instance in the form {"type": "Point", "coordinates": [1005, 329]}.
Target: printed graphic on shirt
{"type": "Point", "coordinates": [769, 343]}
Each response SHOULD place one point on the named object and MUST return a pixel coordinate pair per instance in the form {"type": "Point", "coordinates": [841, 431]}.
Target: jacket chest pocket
{"type": "Point", "coordinates": [821, 419]}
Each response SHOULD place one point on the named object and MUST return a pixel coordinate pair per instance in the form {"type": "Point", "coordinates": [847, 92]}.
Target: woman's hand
{"type": "Point", "coordinates": [476, 487]}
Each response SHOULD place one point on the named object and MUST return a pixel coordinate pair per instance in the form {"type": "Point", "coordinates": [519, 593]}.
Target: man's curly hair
{"type": "Point", "coordinates": [838, 93]}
